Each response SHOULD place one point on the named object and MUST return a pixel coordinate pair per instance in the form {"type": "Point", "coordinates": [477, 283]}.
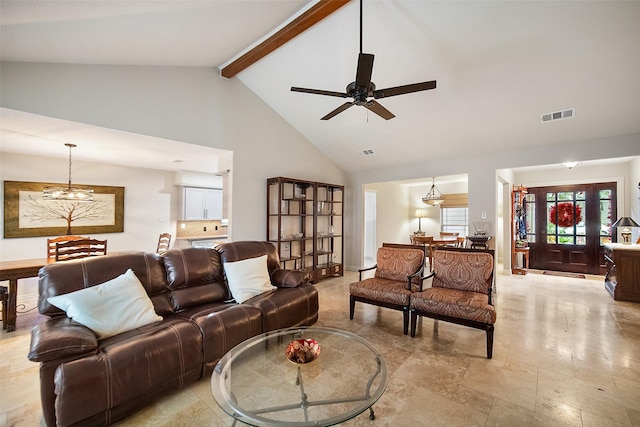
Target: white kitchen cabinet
{"type": "Point", "coordinates": [202, 203]}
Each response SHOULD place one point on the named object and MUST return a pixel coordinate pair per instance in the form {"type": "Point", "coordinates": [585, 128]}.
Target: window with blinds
{"type": "Point", "coordinates": [454, 214]}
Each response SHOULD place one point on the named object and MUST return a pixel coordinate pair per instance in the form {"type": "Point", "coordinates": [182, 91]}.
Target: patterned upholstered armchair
{"type": "Point", "coordinates": [460, 291]}
{"type": "Point", "coordinates": [397, 275]}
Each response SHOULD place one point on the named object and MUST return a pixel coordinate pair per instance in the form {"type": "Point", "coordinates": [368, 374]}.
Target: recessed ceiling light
{"type": "Point", "coordinates": [178, 161]}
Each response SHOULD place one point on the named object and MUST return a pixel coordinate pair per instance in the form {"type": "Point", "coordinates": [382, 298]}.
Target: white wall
{"type": "Point", "coordinates": [395, 209]}
{"type": "Point", "coordinates": [633, 207]}
{"type": "Point", "coordinates": [431, 223]}
{"type": "Point", "coordinates": [192, 105]}
{"type": "Point", "coordinates": [392, 204]}
{"type": "Point", "coordinates": [195, 105]}
{"type": "Point", "coordinates": [150, 205]}
{"type": "Point", "coordinates": [483, 180]}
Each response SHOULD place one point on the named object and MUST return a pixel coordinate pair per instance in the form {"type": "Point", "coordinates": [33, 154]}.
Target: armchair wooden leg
{"type": "Point", "coordinates": [405, 319]}
{"type": "Point", "coordinates": [489, 341]}
{"type": "Point", "coordinates": [352, 306]}
{"type": "Point", "coordinates": [414, 321]}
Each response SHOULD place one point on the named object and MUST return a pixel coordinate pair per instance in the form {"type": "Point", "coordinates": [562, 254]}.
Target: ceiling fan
{"type": "Point", "coordinates": [362, 89]}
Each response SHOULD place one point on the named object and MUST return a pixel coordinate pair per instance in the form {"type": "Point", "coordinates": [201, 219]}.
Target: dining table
{"type": "Point", "coordinates": [433, 243]}
{"type": "Point", "coordinates": [12, 271]}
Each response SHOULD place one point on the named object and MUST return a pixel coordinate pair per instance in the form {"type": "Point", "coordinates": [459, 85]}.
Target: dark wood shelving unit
{"type": "Point", "coordinates": [518, 218]}
{"type": "Point", "coordinates": [304, 222]}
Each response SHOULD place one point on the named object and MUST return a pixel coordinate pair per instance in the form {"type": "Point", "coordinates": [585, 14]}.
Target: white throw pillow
{"type": "Point", "coordinates": [108, 309]}
{"type": "Point", "coordinates": [248, 278]}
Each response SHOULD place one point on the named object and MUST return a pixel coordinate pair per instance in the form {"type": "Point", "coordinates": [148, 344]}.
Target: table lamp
{"type": "Point", "coordinates": [625, 222]}
{"type": "Point", "coordinates": [419, 215]}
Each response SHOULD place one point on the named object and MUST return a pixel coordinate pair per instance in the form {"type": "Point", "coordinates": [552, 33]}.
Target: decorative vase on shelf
{"type": "Point", "coordinates": [481, 228]}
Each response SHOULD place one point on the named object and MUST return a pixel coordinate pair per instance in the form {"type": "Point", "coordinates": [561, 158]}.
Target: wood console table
{"type": "Point", "coordinates": [12, 271]}
{"type": "Point", "coordinates": [623, 271]}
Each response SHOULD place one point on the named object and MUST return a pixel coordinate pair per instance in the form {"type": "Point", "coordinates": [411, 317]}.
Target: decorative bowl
{"type": "Point", "coordinates": [297, 235]}
{"type": "Point", "coordinates": [303, 351]}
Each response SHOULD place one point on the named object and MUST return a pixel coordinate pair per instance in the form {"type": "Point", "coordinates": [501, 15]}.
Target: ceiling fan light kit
{"type": "Point", "coordinates": [362, 90]}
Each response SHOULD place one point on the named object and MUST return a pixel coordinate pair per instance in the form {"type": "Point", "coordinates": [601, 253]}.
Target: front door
{"type": "Point", "coordinates": [567, 226]}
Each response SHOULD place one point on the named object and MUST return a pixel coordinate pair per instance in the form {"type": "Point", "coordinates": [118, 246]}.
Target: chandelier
{"type": "Point", "coordinates": [433, 197]}
{"type": "Point", "coordinates": [68, 193]}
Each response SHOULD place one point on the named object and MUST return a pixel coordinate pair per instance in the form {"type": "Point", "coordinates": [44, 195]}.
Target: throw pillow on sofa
{"type": "Point", "coordinates": [248, 278]}
{"type": "Point", "coordinates": [118, 305]}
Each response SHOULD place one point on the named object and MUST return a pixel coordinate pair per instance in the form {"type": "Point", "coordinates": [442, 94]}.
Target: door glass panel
{"type": "Point", "coordinates": [551, 218]}
{"type": "Point", "coordinates": [581, 225]}
{"type": "Point", "coordinates": [605, 194]}
{"type": "Point", "coordinates": [530, 218]}
{"type": "Point", "coordinates": [605, 219]}
{"type": "Point", "coordinates": [565, 235]}
{"type": "Point", "coordinates": [565, 218]}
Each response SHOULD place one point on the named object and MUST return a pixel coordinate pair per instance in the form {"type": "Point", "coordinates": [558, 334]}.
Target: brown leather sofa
{"type": "Point", "coordinates": [87, 381]}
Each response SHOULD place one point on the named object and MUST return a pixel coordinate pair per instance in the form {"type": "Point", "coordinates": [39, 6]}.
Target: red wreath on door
{"type": "Point", "coordinates": [564, 214]}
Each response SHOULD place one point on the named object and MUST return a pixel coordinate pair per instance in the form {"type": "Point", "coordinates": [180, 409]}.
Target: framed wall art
{"type": "Point", "coordinates": [27, 214]}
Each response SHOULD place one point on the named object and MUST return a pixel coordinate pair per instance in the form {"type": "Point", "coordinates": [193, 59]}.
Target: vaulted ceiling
{"type": "Point", "coordinates": [499, 65]}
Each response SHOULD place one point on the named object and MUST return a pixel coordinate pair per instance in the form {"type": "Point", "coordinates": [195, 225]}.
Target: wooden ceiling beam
{"type": "Point", "coordinates": [312, 16]}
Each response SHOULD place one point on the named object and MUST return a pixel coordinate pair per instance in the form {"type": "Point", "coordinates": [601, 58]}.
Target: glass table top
{"type": "Point", "coordinates": [257, 384]}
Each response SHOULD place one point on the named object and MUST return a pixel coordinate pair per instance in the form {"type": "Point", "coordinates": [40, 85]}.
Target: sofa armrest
{"type": "Point", "coordinates": [61, 338]}
{"type": "Point", "coordinates": [289, 278]}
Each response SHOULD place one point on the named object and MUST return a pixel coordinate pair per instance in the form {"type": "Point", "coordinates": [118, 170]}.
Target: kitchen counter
{"type": "Point", "coordinates": [203, 237]}
{"type": "Point", "coordinates": [201, 241]}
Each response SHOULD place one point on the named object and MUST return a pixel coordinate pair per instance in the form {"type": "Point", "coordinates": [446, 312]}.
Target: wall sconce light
{"type": "Point", "coordinates": [625, 222]}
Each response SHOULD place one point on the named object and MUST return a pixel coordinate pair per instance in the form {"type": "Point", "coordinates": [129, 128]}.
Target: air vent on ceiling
{"type": "Point", "coordinates": [558, 115]}
{"type": "Point", "coordinates": [367, 151]}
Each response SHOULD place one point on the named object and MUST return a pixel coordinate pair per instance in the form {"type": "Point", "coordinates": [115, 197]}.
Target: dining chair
{"type": "Point", "coordinates": [163, 243]}
{"type": "Point", "coordinates": [51, 244]}
{"type": "Point", "coordinates": [427, 242]}
{"type": "Point", "coordinates": [449, 233]}
{"type": "Point", "coordinates": [74, 249]}
{"type": "Point", "coordinates": [461, 242]}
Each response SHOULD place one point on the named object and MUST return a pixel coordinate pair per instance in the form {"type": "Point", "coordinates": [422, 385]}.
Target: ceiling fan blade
{"type": "Point", "coordinates": [338, 110]}
{"type": "Point", "coordinates": [319, 92]}
{"type": "Point", "coordinates": [401, 90]}
{"type": "Point", "coordinates": [364, 71]}
{"type": "Point", "coordinates": [379, 109]}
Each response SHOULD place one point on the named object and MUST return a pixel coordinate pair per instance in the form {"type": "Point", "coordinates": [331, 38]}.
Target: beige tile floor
{"type": "Point", "coordinates": [565, 354]}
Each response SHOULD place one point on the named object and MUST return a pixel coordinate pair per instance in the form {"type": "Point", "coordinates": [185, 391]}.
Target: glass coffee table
{"type": "Point", "coordinates": [257, 384]}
